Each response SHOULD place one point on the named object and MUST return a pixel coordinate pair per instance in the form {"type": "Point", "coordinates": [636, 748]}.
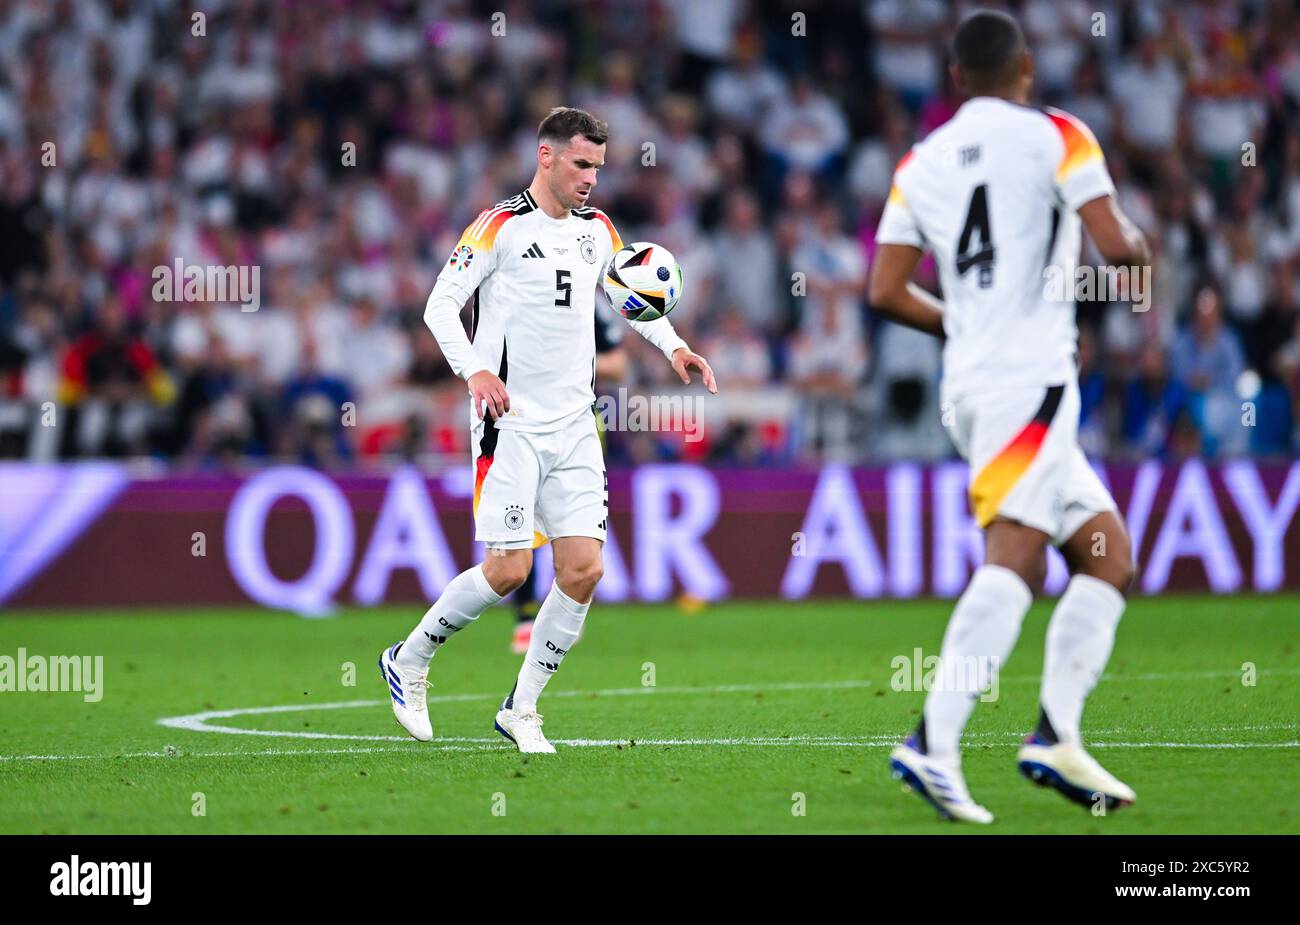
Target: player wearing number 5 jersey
{"type": "Point", "coordinates": [529, 267]}
{"type": "Point", "coordinates": [998, 194]}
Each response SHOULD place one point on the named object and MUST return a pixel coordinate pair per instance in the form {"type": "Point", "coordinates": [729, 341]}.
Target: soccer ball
{"type": "Point", "coordinates": [643, 281]}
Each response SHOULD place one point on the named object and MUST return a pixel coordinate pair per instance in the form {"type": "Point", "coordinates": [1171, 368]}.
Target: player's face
{"type": "Point", "coordinates": [573, 171]}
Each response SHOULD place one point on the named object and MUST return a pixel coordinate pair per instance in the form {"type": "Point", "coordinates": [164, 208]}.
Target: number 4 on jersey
{"type": "Point", "coordinates": [977, 223]}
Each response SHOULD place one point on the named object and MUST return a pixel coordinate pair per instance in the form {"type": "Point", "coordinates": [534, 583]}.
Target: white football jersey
{"type": "Point", "coordinates": [533, 282]}
{"type": "Point", "coordinates": [993, 194]}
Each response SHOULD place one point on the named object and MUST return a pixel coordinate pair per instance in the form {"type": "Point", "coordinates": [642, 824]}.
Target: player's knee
{"type": "Point", "coordinates": [1029, 566]}
{"type": "Point", "coordinates": [1127, 571]}
{"type": "Point", "coordinates": [1020, 549]}
{"type": "Point", "coordinates": [507, 572]}
{"type": "Point", "coordinates": [580, 578]}
{"type": "Point", "coordinates": [1033, 571]}
{"type": "Point", "coordinates": [1115, 567]}
{"type": "Point", "coordinates": [1120, 570]}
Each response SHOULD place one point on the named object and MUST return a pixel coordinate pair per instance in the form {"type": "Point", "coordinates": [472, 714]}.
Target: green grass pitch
{"type": "Point", "coordinates": [758, 710]}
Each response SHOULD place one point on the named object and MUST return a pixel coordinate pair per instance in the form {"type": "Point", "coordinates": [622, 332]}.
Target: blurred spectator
{"type": "Point", "coordinates": [826, 366]}
{"type": "Point", "coordinates": [1154, 404]}
{"type": "Point", "coordinates": [320, 411]}
{"type": "Point", "coordinates": [1288, 372]}
{"type": "Point", "coordinates": [743, 91]}
{"type": "Point", "coordinates": [109, 377]}
{"type": "Point", "coordinates": [1207, 357]}
{"type": "Point", "coordinates": [738, 356]}
{"type": "Point", "coordinates": [747, 263]}
{"type": "Point", "coordinates": [908, 35]}
{"type": "Point", "coordinates": [903, 393]}
{"type": "Point", "coordinates": [834, 273]}
{"type": "Point", "coordinates": [1093, 426]}
{"type": "Point", "coordinates": [1207, 354]}
{"type": "Point", "coordinates": [805, 130]}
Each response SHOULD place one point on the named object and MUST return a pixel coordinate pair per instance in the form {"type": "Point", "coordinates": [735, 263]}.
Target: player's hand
{"type": "Point", "coordinates": [683, 360]}
{"type": "Point", "coordinates": [487, 390]}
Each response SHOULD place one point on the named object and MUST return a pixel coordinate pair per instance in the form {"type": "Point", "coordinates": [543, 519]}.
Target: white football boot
{"type": "Point", "coordinates": [1073, 772]}
{"type": "Point", "coordinates": [939, 783]}
{"type": "Point", "coordinates": [524, 729]}
{"type": "Point", "coordinates": [407, 687]}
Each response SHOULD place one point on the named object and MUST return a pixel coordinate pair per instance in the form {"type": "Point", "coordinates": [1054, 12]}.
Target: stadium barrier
{"type": "Point", "coordinates": [104, 535]}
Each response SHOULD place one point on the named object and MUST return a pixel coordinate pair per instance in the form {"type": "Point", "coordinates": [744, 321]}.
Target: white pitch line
{"type": "Point", "coordinates": [1194, 744]}
{"type": "Point", "coordinates": [199, 722]}
{"type": "Point", "coordinates": [446, 745]}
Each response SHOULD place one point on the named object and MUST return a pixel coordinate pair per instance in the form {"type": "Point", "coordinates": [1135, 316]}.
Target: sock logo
{"type": "Point", "coordinates": [556, 649]}
{"type": "Point", "coordinates": [436, 640]}
{"type": "Point", "coordinates": [443, 622]}
{"type": "Point", "coordinates": [549, 666]}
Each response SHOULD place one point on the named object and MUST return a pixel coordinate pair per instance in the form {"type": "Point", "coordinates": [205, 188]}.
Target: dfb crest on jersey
{"type": "Point", "coordinates": [587, 246]}
{"type": "Point", "coordinates": [461, 256]}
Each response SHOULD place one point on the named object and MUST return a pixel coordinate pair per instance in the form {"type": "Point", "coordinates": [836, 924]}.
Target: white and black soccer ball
{"type": "Point", "coordinates": [643, 281]}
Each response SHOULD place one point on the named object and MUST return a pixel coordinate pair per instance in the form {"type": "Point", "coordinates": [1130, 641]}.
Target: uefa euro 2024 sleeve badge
{"type": "Point", "coordinates": [461, 256]}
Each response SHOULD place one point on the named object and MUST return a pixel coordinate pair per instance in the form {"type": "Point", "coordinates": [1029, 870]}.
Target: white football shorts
{"type": "Point", "coordinates": [1025, 461]}
{"type": "Point", "coordinates": [530, 488]}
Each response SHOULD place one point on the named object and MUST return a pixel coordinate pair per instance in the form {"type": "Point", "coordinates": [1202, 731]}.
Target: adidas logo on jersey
{"type": "Point", "coordinates": [534, 251]}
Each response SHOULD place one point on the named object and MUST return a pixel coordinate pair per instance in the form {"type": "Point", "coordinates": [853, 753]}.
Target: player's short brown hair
{"type": "Point", "coordinates": [563, 122]}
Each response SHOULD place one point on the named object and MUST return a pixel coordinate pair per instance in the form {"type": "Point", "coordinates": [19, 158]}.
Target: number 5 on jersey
{"type": "Point", "coordinates": [563, 288]}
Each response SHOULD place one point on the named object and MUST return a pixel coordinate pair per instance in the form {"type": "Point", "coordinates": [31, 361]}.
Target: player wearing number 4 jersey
{"type": "Point", "coordinates": [998, 194]}
{"type": "Point", "coordinates": [530, 267]}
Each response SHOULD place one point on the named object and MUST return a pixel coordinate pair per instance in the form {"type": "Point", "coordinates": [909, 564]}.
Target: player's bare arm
{"type": "Point", "coordinates": [1120, 241]}
{"type": "Point", "coordinates": [893, 294]}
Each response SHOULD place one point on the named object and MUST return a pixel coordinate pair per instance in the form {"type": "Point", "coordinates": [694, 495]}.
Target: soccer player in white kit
{"type": "Point", "coordinates": [997, 194]}
{"type": "Point", "coordinates": [531, 265]}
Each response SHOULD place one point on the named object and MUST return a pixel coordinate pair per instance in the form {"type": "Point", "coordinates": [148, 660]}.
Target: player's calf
{"type": "Point", "coordinates": [1080, 636]}
{"type": "Point", "coordinates": [556, 629]}
{"type": "Point", "coordinates": [1081, 632]}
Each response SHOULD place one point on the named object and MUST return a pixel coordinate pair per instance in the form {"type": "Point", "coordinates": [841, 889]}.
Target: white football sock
{"type": "Point", "coordinates": [981, 634]}
{"type": "Point", "coordinates": [465, 597]}
{"type": "Point", "coordinates": [559, 622]}
{"type": "Point", "coordinates": [1079, 639]}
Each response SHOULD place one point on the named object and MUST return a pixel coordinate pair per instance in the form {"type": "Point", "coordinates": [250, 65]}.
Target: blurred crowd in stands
{"type": "Point", "coordinates": [340, 146]}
